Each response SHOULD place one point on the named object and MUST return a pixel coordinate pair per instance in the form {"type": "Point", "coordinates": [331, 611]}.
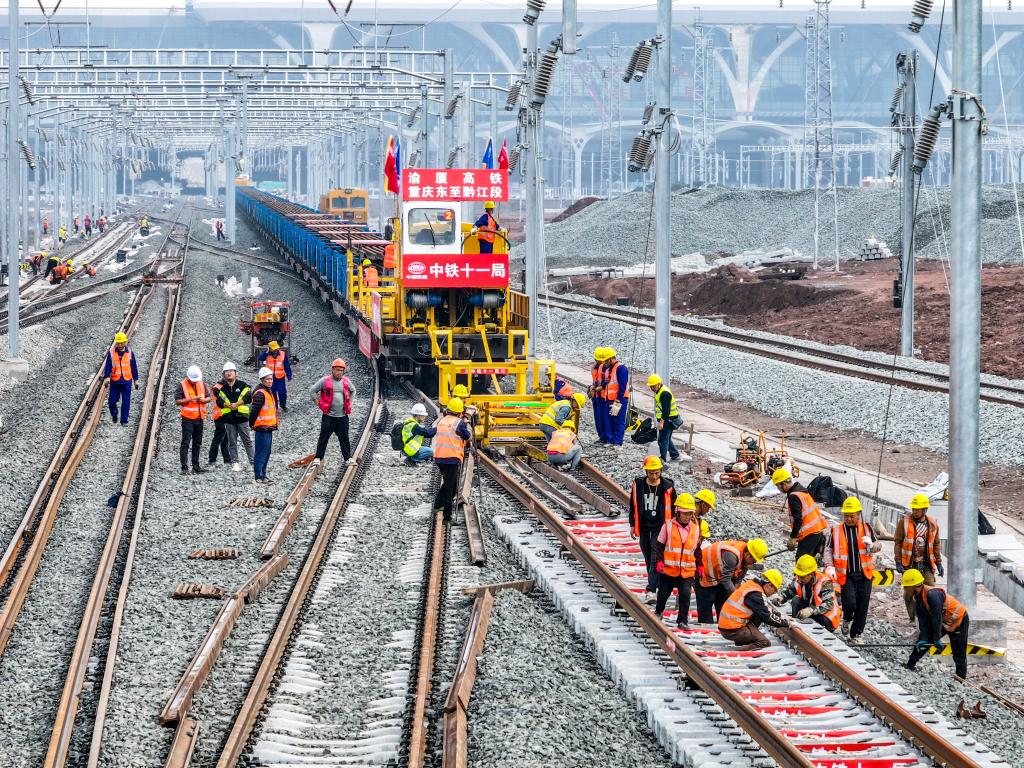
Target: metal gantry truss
{"type": "Point", "coordinates": [702, 133]}
{"type": "Point", "coordinates": [819, 128]}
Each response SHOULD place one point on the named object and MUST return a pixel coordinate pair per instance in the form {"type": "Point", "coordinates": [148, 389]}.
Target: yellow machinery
{"type": "Point", "coordinates": [349, 204]}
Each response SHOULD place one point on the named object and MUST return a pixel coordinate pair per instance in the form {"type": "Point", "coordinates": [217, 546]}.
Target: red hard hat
{"type": "Point", "coordinates": [339, 363]}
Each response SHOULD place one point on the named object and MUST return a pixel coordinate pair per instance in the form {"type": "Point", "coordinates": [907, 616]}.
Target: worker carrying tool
{"type": "Point", "coordinates": [748, 608]}
{"type": "Point", "coordinates": [938, 614]}
{"type": "Point", "coordinates": [486, 228]}
{"type": "Point", "coordinates": [263, 421]}
{"type": "Point", "coordinates": [724, 565]}
{"type": "Point", "coordinates": [561, 412]}
{"type": "Point", "coordinates": [917, 544]}
{"type": "Point", "coordinates": [564, 451]}
{"type": "Point", "coordinates": [191, 399]}
{"type": "Point", "coordinates": [813, 594]}
{"type": "Point", "coordinates": [666, 414]}
{"type": "Point", "coordinates": [705, 502]}
{"type": "Point", "coordinates": [234, 397]}
{"type": "Point", "coordinates": [807, 532]}
{"type": "Point", "coordinates": [333, 395]}
{"type": "Point", "coordinates": [596, 394]}
{"type": "Point", "coordinates": [651, 498]}
{"type": "Point", "coordinates": [412, 435]}
{"type": "Point", "coordinates": [849, 561]}
{"type": "Point", "coordinates": [615, 385]}
{"type": "Point", "coordinates": [277, 360]}
{"type": "Point", "coordinates": [677, 556]}
{"type": "Point", "coordinates": [449, 451]}
{"type": "Point", "coordinates": [122, 375]}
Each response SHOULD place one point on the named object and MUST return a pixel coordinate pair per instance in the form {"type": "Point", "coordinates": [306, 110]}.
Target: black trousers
{"type": "Point", "coordinates": [856, 599]}
{"type": "Point", "coordinates": [810, 545]}
{"type": "Point", "coordinates": [191, 433]}
{"type": "Point", "coordinates": [333, 425]}
{"type": "Point", "coordinates": [449, 487]}
{"type": "Point", "coordinates": [710, 599]}
{"type": "Point", "coordinates": [665, 586]}
{"type": "Point", "coordinates": [220, 440]}
{"type": "Point", "coordinates": [958, 645]}
{"type": "Point", "coordinates": [648, 536]}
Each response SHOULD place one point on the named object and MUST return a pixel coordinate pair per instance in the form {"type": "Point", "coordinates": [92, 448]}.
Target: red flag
{"type": "Point", "coordinates": [391, 168]}
{"type": "Point", "coordinates": [503, 156]}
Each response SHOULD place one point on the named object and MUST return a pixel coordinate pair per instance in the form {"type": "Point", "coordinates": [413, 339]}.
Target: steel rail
{"type": "Point", "coordinates": [455, 753]}
{"type": "Point", "coordinates": [794, 354]}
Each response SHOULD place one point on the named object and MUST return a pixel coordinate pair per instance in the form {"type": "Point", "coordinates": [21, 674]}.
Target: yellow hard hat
{"type": "Point", "coordinates": [569, 425]}
{"type": "Point", "coordinates": [920, 501]}
{"type": "Point", "coordinates": [42, 253]}
{"type": "Point", "coordinates": [455, 405]}
{"type": "Point", "coordinates": [609, 353]}
{"type": "Point", "coordinates": [367, 263]}
{"type": "Point", "coordinates": [579, 398]}
{"type": "Point", "coordinates": [773, 577]}
{"type": "Point", "coordinates": [852, 506]}
{"type": "Point", "coordinates": [781, 475]}
{"type": "Point", "coordinates": [599, 353]}
{"type": "Point", "coordinates": [912, 577]}
{"type": "Point", "coordinates": [489, 204]}
{"type": "Point", "coordinates": [685, 501]}
{"type": "Point", "coordinates": [274, 345]}
{"type": "Point", "coordinates": [652, 462]}
{"type": "Point", "coordinates": [708, 497]}
{"type": "Point", "coordinates": [69, 262]}
{"type": "Point", "coordinates": [120, 338]}
{"type": "Point", "coordinates": [460, 390]}
{"type": "Point", "coordinates": [85, 263]}
{"type": "Point", "coordinates": [653, 380]}
{"type": "Point", "coordinates": [758, 549]}
{"type": "Point", "coordinates": [805, 565]}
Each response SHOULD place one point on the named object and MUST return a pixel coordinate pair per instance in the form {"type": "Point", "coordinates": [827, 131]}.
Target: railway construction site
{"type": "Point", "coordinates": [349, 422]}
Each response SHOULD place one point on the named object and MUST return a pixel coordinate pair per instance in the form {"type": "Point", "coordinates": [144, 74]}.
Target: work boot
{"type": "Point", "coordinates": [856, 640]}
{"type": "Point", "coordinates": [682, 625]}
{"type": "Point", "coordinates": [198, 470]}
{"type": "Point", "coordinates": [651, 598]}
{"type": "Point", "coordinates": [963, 712]}
{"type": "Point", "coordinates": [113, 418]}
{"type": "Point", "coordinates": [184, 469]}
{"type": "Point", "coordinates": [977, 711]}
{"type": "Point", "coordinates": [846, 627]}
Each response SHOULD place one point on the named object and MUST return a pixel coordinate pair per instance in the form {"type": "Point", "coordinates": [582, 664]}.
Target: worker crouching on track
{"type": "Point", "coordinates": [938, 614]}
{"type": "Point", "coordinates": [807, 533]}
{"type": "Point", "coordinates": [616, 393]}
{"type": "Point", "coordinates": [233, 399]}
{"type": "Point", "coordinates": [724, 564]}
{"type": "Point", "coordinates": [748, 608]}
{"type": "Point", "coordinates": [413, 433]}
{"type": "Point", "coordinates": [678, 555]}
{"type": "Point", "coordinates": [666, 414]}
{"type": "Point", "coordinates": [564, 450]}
{"type": "Point", "coordinates": [651, 498]}
{"type": "Point", "coordinates": [191, 399]}
{"type": "Point", "coordinates": [560, 413]}
{"type": "Point", "coordinates": [813, 594]}
{"type": "Point", "coordinates": [917, 544]}
{"type": "Point", "coordinates": [449, 451]}
{"type": "Point", "coordinates": [263, 421]}
{"type": "Point", "coordinates": [333, 395]}
{"type": "Point", "coordinates": [849, 561]}
{"type": "Point", "coordinates": [122, 375]}
{"type": "Point", "coordinates": [276, 359]}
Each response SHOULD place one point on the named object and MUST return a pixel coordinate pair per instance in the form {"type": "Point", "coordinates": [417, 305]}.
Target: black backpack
{"type": "Point", "coordinates": [397, 443]}
{"type": "Point", "coordinates": [824, 492]}
{"type": "Point", "coordinates": [645, 433]}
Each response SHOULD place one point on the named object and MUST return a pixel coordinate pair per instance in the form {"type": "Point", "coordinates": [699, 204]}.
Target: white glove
{"type": "Point", "coordinates": [868, 541]}
{"type": "Point", "coordinates": [830, 572]}
{"type": "Point", "coordinates": [804, 613]}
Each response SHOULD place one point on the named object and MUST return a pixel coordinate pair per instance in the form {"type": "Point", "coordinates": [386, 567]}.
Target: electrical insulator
{"type": "Point", "coordinates": [895, 162]}
{"type": "Point", "coordinates": [894, 102]}
{"type": "Point", "coordinates": [643, 62]}
{"type": "Point", "coordinates": [545, 74]}
{"type": "Point", "coordinates": [533, 9]}
{"type": "Point", "coordinates": [513, 158]}
{"type": "Point", "coordinates": [927, 139]}
{"type": "Point", "coordinates": [648, 113]}
{"type": "Point", "coordinates": [453, 156]}
{"type": "Point", "coordinates": [449, 110]}
{"type": "Point", "coordinates": [919, 14]}
{"type": "Point", "coordinates": [414, 158]}
{"type": "Point", "coordinates": [26, 87]}
{"type": "Point", "coordinates": [412, 117]}
{"type": "Point", "coordinates": [640, 154]}
{"type": "Point", "coordinates": [30, 158]}
{"type": "Point", "coordinates": [512, 99]}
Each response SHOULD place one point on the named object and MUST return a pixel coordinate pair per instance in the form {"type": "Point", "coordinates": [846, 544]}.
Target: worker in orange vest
{"type": "Point", "coordinates": [724, 564]}
{"type": "Point", "coordinates": [596, 393]}
{"type": "Point", "coordinates": [264, 422]}
{"type": "Point", "coordinates": [677, 556]}
{"type": "Point", "coordinates": [849, 561]}
{"type": "Point", "coordinates": [486, 228]}
{"type": "Point", "coordinates": [563, 449]}
{"type": "Point", "coordinates": [191, 398]}
{"type": "Point", "coordinates": [807, 534]}
{"type": "Point", "coordinates": [122, 375]}
{"type": "Point", "coordinates": [650, 506]}
{"type": "Point", "coordinates": [449, 445]}
{"type": "Point", "coordinates": [813, 594]}
{"type": "Point", "coordinates": [615, 385]}
{"type": "Point", "coordinates": [938, 614]}
{"type": "Point", "coordinates": [917, 544]}
{"type": "Point", "coordinates": [748, 607]}
{"type": "Point", "coordinates": [277, 360]}
{"type": "Point", "coordinates": [371, 278]}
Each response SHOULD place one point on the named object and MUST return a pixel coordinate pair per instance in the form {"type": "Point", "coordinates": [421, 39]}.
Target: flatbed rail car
{"type": "Point", "coordinates": [428, 304]}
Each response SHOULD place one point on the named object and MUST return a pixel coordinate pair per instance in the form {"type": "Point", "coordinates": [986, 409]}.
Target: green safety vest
{"type": "Point", "coordinates": [411, 443]}
{"type": "Point", "coordinates": [550, 417]}
{"type": "Point", "coordinates": [243, 409]}
{"type": "Point", "coordinates": [673, 410]}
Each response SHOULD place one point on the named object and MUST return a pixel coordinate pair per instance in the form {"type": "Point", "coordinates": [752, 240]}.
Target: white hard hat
{"type": "Point", "coordinates": [264, 372]}
{"type": "Point", "coordinates": [193, 373]}
{"type": "Point", "coordinates": [229, 366]}
{"type": "Point", "coordinates": [419, 410]}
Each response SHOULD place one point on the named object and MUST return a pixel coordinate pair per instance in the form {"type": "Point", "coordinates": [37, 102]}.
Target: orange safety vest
{"type": "Point", "coordinates": [217, 410]}
{"type": "Point", "coordinates": [953, 611]}
{"type": "Point", "coordinates": [820, 580]}
{"type": "Point", "coordinates": [486, 233]}
{"type": "Point", "coordinates": [907, 549]}
{"type": "Point", "coordinates": [735, 614]}
{"type": "Point", "coordinates": [267, 417]}
{"type": "Point", "coordinates": [714, 566]}
{"type": "Point", "coordinates": [611, 386]}
{"type": "Point", "coordinates": [812, 520]}
{"type": "Point", "coordinates": [448, 444]}
{"type": "Point", "coordinates": [193, 410]}
{"type": "Point", "coordinates": [841, 552]}
{"type": "Point", "coordinates": [681, 551]}
{"type": "Point", "coordinates": [120, 364]}
{"type": "Point", "coordinates": [276, 362]}
{"type": "Point", "coordinates": [561, 442]}
{"type": "Point", "coordinates": [596, 374]}
{"type": "Point", "coordinates": [370, 277]}
{"type": "Point", "coordinates": [666, 502]}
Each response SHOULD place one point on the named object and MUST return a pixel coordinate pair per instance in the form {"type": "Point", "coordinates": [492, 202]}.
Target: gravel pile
{"type": "Point", "coordinates": [160, 635]}
{"type": "Point", "coordinates": [718, 221]}
{"type": "Point", "coordinates": [791, 392]}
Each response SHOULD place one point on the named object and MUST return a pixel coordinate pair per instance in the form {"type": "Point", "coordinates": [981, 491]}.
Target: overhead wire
{"type": "Point", "coordinates": [1009, 138]}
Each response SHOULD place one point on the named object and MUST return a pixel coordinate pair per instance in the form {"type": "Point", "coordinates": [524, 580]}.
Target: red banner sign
{"type": "Point", "coordinates": [455, 270]}
{"type": "Point", "coordinates": [368, 345]}
{"type": "Point", "coordinates": [454, 184]}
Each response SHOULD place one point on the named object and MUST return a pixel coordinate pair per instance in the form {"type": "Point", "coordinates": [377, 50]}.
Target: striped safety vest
{"type": "Point", "coordinates": [224, 401]}
{"type": "Point", "coordinates": [216, 392]}
{"type": "Point", "coordinates": [275, 361]}
{"type": "Point", "coordinates": [907, 549]}
{"type": "Point", "coordinates": [448, 444]}
{"type": "Point", "coordinates": [550, 416]}
{"type": "Point", "coordinates": [953, 611]}
{"type": "Point", "coordinates": [267, 417]}
{"type": "Point", "coordinates": [193, 410]}
{"type": "Point", "coordinates": [714, 566]}
{"type": "Point", "coordinates": [841, 552]}
{"type": "Point", "coordinates": [120, 364]}
{"type": "Point", "coordinates": [561, 442]}
{"type": "Point", "coordinates": [812, 521]}
{"type": "Point", "coordinates": [597, 379]}
{"type": "Point", "coordinates": [735, 614]}
{"type": "Point", "coordinates": [673, 409]}
{"type": "Point", "coordinates": [611, 383]}
{"type": "Point", "coordinates": [681, 549]}
{"type": "Point", "coordinates": [411, 443]}
{"type": "Point", "coordinates": [666, 503]}
{"type": "Point", "coordinates": [486, 233]}
{"type": "Point", "coordinates": [821, 582]}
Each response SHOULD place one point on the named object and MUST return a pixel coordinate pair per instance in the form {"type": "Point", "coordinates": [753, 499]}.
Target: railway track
{"type": "Point", "coordinates": [805, 701]}
{"type": "Point", "coordinates": [794, 352]}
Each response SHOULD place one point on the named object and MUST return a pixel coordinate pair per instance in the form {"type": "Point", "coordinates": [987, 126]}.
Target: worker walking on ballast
{"type": "Point", "coordinates": [813, 594]}
{"type": "Point", "coordinates": [849, 561]}
{"type": "Point", "coordinates": [748, 608]}
{"type": "Point", "coordinates": [938, 614]}
{"type": "Point", "coordinates": [677, 555]}
{"type": "Point", "coordinates": [918, 544]}
{"type": "Point", "coordinates": [666, 414]}
{"type": "Point", "coordinates": [263, 420]}
{"type": "Point", "coordinates": [333, 395]}
{"type": "Point", "coordinates": [191, 399]}
{"type": "Point", "coordinates": [806, 534]}
{"type": "Point", "coordinates": [651, 498]}
{"type": "Point", "coordinates": [449, 451]}
{"type": "Point", "coordinates": [276, 359]}
{"type": "Point", "coordinates": [122, 375]}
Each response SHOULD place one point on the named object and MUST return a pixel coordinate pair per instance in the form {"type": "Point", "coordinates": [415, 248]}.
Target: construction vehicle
{"type": "Point", "coordinates": [267, 321]}
{"type": "Point", "coordinates": [348, 204]}
{"type": "Point", "coordinates": [754, 460]}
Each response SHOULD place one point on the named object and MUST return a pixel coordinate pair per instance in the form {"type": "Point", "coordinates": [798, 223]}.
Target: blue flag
{"type": "Point", "coordinates": [488, 159]}
{"type": "Point", "coordinates": [398, 162]}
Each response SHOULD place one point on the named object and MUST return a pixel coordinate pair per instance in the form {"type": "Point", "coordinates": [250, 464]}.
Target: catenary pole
{"type": "Point", "coordinates": [529, 159]}
{"type": "Point", "coordinates": [13, 184]}
{"type": "Point", "coordinates": [663, 195]}
{"type": "Point", "coordinates": [909, 119]}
